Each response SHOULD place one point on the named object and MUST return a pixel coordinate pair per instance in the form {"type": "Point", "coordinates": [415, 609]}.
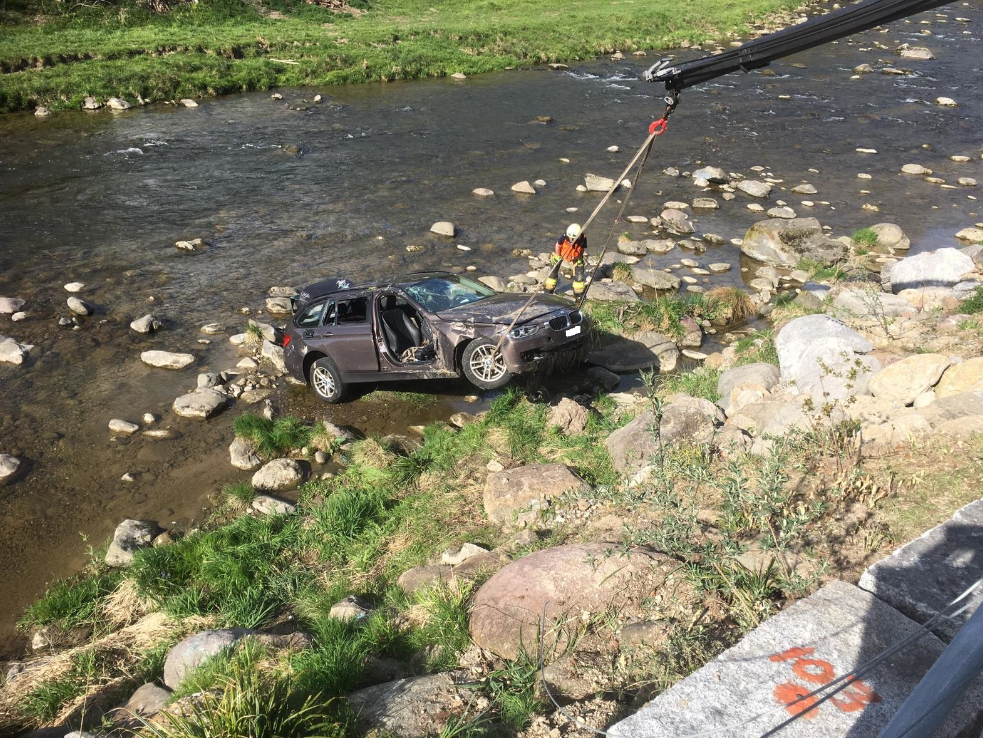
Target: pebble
{"type": "Point", "coordinates": [866, 151]}
{"type": "Point", "coordinates": [79, 307]}
{"type": "Point", "coordinates": [755, 207]}
{"type": "Point", "coordinates": [863, 175]}
{"type": "Point", "coordinates": [188, 102]}
{"type": "Point", "coordinates": [945, 102]}
{"type": "Point", "coordinates": [720, 268]}
{"type": "Point", "coordinates": [121, 426]}
{"type": "Point", "coordinates": [540, 183]}
{"type": "Point", "coordinates": [613, 149]}
{"type": "Point", "coordinates": [959, 159]}
{"type": "Point", "coordinates": [482, 192]}
{"type": "Point", "coordinates": [149, 418]}
{"type": "Point", "coordinates": [18, 316]}
{"type": "Point", "coordinates": [74, 287]}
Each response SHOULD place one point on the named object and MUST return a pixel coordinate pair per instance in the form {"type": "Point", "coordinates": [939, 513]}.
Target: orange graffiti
{"type": "Point", "coordinates": [853, 698]}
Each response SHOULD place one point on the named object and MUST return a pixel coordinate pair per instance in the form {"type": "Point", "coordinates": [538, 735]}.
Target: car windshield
{"type": "Point", "coordinates": [443, 293]}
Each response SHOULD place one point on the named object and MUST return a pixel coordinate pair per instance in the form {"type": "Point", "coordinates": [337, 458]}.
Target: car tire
{"type": "Point", "coordinates": [326, 381]}
{"type": "Point", "coordinates": [484, 365]}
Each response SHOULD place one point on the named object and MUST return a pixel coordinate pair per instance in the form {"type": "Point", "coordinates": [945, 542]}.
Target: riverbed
{"type": "Point", "coordinates": [288, 191]}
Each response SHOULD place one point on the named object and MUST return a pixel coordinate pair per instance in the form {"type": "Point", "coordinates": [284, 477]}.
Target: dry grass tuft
{"type": "Point", "coordinates": [371, 453]}
{"type": "Point", "coordinates": [125, 606]}
{"type": "Point", "coordinates": [738, 306]}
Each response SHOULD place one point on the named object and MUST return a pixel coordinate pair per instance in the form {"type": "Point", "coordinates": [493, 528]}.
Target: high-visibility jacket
{"type": "Point", "coordinates": [571, 252]}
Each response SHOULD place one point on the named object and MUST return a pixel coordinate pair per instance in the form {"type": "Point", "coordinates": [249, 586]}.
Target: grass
{"type": "Point", "coordinates": [756, 348]}
{"type": "Point", "coordinates": [622, 272]}
{"type": "Point", "coordinates": [273, 438]}
{"type": "Point", "coordinates": [820, 272]}
{"type": "Point", "coordinates": [865, 237]}
{"type": "Point", "coordinates": [54, 54]}
{"type": "Point", "coordinates": [700, 382]}
{"type": "Point", "coordinates": [45, 701]}
{"type": "Point", "coordinates": [70, 602]}
{"type": "Point", "coordinates": [663, 314]}
{"type": "Point", "coordinates": [737, 306]}
{"type": "Point", "coordinates": [974, 305]}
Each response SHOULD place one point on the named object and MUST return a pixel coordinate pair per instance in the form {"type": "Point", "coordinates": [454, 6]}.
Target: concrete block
{"type": "Point", "coordinates": [814, 641]}
{"type": "Point", "coordinates": [923, 576]}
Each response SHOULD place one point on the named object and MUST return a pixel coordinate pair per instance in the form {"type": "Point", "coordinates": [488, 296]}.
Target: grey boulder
{"type": "Point", "coordinates": [79, 307]}
{"type": "Point", "coordinates": [632, 446]}
{"type": "Point", "coordinates": [529, 487]}
{"type": "Point", "coordinates": [765, 375]}
{"type": "Point", "coordinates": [242, 454]}
{"type": "Point", "coordinates": [200, 404]}
{"type": "Point", "coordinates": [905, 380]}
{"type": "Point", "coordinates": [278, 475]}
{"type": "Point", "coordinates": [10, 305]}
{"type": "Point", "coordinates": [130, 536]}
{"type": "Point", "coordinates": [166, 359]}
{"type": "Point", "coordinates": [146, 324]}
{"type": "Point", "coordinates": [786, 242]}
{"type": "Point", "coordinates": [189, 654]}
{"type": "Point", "coordinates": [655, 278]}
{"type": "Point", "coordinates": [412, 708]}
{"type": "Point", "coordinates": [940, 268]}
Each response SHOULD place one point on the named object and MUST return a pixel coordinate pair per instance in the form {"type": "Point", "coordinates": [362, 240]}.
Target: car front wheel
{"type": "Point", "coordinates": [484, 365]}
{"type": "Point", "coordinates": [326, 381]}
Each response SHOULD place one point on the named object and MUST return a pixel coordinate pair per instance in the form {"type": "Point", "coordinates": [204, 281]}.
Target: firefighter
{"type": "Point", "coordinates": [570, 248]}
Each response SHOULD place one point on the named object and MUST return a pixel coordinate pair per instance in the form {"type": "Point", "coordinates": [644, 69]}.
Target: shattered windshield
{"type": "Point", "coordinates": [443, 293]}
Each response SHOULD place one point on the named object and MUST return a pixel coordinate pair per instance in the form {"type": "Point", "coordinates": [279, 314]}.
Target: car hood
{"type": "Point", "coordinates": [503, 308]}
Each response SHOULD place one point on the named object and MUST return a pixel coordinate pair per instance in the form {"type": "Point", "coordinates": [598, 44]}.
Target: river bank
{"type": "Point", "coordinates": [53, 56]}
{"type": "Point", "coordinates": [101, 199]}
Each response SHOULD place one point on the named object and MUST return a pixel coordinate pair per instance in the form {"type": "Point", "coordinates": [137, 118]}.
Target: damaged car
{"type": "Point", "coordinates": [432, 325]}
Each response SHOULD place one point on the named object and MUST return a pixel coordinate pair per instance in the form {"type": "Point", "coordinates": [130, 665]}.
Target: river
{"type": "Point", "coordinates": [101, 198]}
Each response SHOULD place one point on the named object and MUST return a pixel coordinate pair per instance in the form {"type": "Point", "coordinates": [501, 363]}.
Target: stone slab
{"type": "Point", "coordinates": [925, 575]}
{"type": "Point", "coordinates": [845, 627]}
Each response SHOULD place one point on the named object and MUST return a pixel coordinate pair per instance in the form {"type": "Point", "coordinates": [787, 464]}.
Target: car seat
{"type": "Point", "coordinates": [401, 332]}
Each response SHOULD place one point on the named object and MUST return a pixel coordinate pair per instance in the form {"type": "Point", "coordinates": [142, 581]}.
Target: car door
{"type": "Point", "coordinates": [351, 344]}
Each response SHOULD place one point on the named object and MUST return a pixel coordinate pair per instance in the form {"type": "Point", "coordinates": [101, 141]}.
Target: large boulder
{"type": "Point", "coordinates": [631, 447]}
{"type": "Point", "coordinates": [569, 416]}
{"type": "Point", "coordinates": [242, 454]}
{"type": "Point", "coordinates": [786, 242]}
{"type": "Point", "coordinates": [517, 490]}
{"type": "Point", "coordinates": [890, 236]}
{"type": "Point", "coordinates": [686, 426]}
{"type": "Point", "coordinates": [569, 582]}
{"type": "Point", "coordinates": [612, 292]}
{"type": "Point", "coordinates": [941, 268]}
{"type": "Point", "coordinates": [714, 175]}
{"type": "Point", "coordinates": [130, 536]}
{"type": "Point", "coordinates": [642, 351]}
{"type": "Point", "coordinates": [960, 378]}
{"type": "Point", "coordinates": [274, 354]}
{"type": "Point", "coordinates": [904, 380]}
{"type": "Point", "coordinates": [166, 359]}
{"type": "Point", "coordinates": [278, 475]}
{"type": "Point", "coordinates": [825, 358]}
{"type": "Point", "coordinates": [765, 375]}
{"type": "Point", "coordinates": [147, 701]}
{"type": "Point", "coordinates": [595, 183]}
{"type": "Point", "coordinates": [412, 708]}
{"type": "Point", "coordinates": [189, 654]}
{"type": "Point", "coordinates": [655, 278]}
{"type": "Point", "coordinates": [200, 404]}
{"type": "Point", "coordinates": [869, 304]}
{"type": "Point", "coordinates": [12, 352]}
{"type": "Point", "coordinates": [10, 305]}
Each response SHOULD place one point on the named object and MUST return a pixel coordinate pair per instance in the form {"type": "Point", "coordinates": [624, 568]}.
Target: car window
{"type": "Point", "coordinates": [352, 311]}
{"type": "Point", "coordinates": [311, 316]}
{"type": "Point", "coordinates": [329, 314]}
{"type": "Point", "coordinates": [440, 293]}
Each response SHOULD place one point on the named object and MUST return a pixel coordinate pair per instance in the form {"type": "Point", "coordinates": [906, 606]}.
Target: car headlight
{"type": "Point", "coordinates": [524, 331]}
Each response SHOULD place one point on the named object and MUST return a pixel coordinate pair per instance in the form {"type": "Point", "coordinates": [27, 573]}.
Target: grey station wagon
{"type": "Point", "coordinates": [432, 325]}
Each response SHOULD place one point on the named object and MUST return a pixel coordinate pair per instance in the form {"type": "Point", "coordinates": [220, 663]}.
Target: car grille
{"type": "Point", "coordinates": [562, 322]}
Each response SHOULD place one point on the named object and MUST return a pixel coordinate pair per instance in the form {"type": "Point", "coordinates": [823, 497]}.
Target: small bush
{"type": "Point", "coordinates": [622, 272]}
{"type": "Point", "coordinates": [865, 237]}
{"type": "Point", "coordinates": [273, 437]}
{"type": "Point", "coordinates": [513, 691]}
{"type": "Point", "coordinates": [736, 305]}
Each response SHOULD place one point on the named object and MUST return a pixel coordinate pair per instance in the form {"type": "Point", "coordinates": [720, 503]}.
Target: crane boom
{"type": "Point", "coordinates": [762, 51]}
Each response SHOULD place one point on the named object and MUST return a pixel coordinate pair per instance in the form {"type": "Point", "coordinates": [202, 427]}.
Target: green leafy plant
{"type": "Point", "coordinates": [273, 437]}
{"type": "Point", "coordinates": [865, 237]}
{"type": "Point", "coordinates": [70, 602]}
{"type": "Point", "coordinates": [974, 305]}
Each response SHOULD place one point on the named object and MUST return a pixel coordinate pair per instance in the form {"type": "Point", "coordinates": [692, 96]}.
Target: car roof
{"type": "Point", "coordinates": [325, 287]}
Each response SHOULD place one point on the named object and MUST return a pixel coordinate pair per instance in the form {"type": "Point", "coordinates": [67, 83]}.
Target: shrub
{"type": "Point", "coordinates": [273, 437]}
{"type": "Point", "coordinates": [736, 305]}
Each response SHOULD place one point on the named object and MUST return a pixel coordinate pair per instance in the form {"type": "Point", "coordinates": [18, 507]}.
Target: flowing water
{"type": "Point", "coordinates": [101, 198]}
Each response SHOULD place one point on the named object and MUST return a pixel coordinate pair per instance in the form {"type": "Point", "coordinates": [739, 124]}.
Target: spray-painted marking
{"type": "Point", "coordinates": [817, 672]}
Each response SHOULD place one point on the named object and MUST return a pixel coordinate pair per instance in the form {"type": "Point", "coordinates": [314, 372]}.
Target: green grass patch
{"type": "Point", "coordinates": [70, 602]}
{"type": "Point", "coordinates": [974, 305]}
{"type": "Point", "coordinates": [865, 237]}
{"type": "Point", "coordinates": [663, 314]}
{"type": "Point", "coordinates": [700, 382]}
{"type": "Point", "coordinates": [273, 437]}
{"type": "Point", "coordinates": [55, 53]}
{"type": "Point", "coordinates": [45, 701]}
{"type": "Point", "coordinates": [818, 271]}
{"type": "Point", "coordinates": [758, 347]}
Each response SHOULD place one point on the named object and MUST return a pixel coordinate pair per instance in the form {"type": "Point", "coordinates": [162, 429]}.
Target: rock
{"type": "Point", "coordinates": [189, 654]}
{"type": "Point", "coordinates": [90, 103]}
{"type": "Point", "coordinates": [279, 306]}
{"type": "Point", "coordinates": [242, 454]}
{"type": "Point", "coordinates": [524, 188]}
{"type": "Point", "coordinates": [121, 426]}
{"type": "Point", "coordinates": [921, 578]}
{"type": "Point", "coordinates": [805, 189]}
{"type": "Point", "coordinates": [412, 708]}
{"type": "Point", "coordinates": [459, 420]}
{"type": "Point", "coordinates": [459, 75]}
{"type": "Point", "coordinates": [764, 375]}
{"type": "Point", "coordinates": [684, 425]}
{"type": "Point", "coordinates": [961, 429]}
{"type": "Point", "coordinates": [920, 53]}
{"type": "Point", "coordinates": [147, 701]}
{"type": "Point", "coordinates": [787, 242]}
{"type": "Point", "coordinates": [916, 169]}
{"type": "Point", "coordinates": [825, 358]}
{"type": "Point", "coordinates": [130, 536]}
{"type": "Point", "coordinates": [166, 359]}
{"type": "Point", "coordinates": [869, 304]}
{"type": "Point", "coordinates": [10, 305]}
{"type": "Point", "coordinates": [79, 307]}
{"type": "Point", "coordinates": [941, 268]}
{"type": "Point", "coordinates": [945, 102]}
{"type": "Point", "coordinates": [974, 235]}
{"type": "Point", "coordinates": [274, 355]}
{"type": "Point", "coordinates": [904, 380]}
{"type": "Point", "coordinates": [830, 633]}
{"type": "Point", "coordinates": [8, 466]}
{"type": "Point", "coordinates": [194, 244]}
{"type": "Point", "coordinates": [677, 223]}
{"type": "Point", "coordinates": [960, 378]}
{"type": "Point", "coordinates": [783, 213]}
{"type": "Point", "coordinates": [631, 447]}
{"type": "Point", "coordinates": [595, 183]}
{"type": "Point", "coordinates": [754, 188]}
{"type": "Point", "coordinates": [953, 407]}
{"type": "Point", "coordinates": [570, 581]}
{"type": "Point", "coordinates": [423, 577]}
{"type": "Point", "coordinates": [443, 228]}
{"type": "Point", "coordinates": [147, 324]}
{"type": "Point", "coordinates": [482, 192]}
{"type": "Point", "coordinates": [278, 475]}
{"type": "Point", "coordinates": [459, 554]}
{"type": "Point", "coordinates": [213, 328]}
{"type": "Point", "coordinates": [516, 490]}
{"type": "Point", "coordinates": [659, 245]}
{"type": "Point", "coordinates": [12, 352]}
{"type": "Point", "coordinates": [601, 377]}
{"type": "Point", "coordinates": [967, 182]}
{"type": "Point", "coordinates": [200, 404]}
{"type": "Point", "coordinates": [705, 203]}
{"type": "Point", "coordinates": [115, 103]}
{"type": "Point", "coordinates": [266, 505]}
{"type": "Point", "coordinates": [863, 69]}
{"type": "Point", "coordinates": [496, 283]}
{"type": "Point", "coordinates": [350, 608]}
{"type": "Point", "coordinates": [569, 416]}
{"type": "Point", "coordinates": [632, 248]}
{"type": "Point", "coordinates": [642, 351]}
{"type": "Point", "coordinates": [655, 278]}
{"type": "Point", "coordinates": [612, 292]}
{"type": "Point", "coordinates": [714, 175]}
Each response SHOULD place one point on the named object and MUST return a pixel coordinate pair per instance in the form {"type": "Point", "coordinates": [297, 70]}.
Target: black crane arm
{"type": "Point", "coordinates": [762, 51]}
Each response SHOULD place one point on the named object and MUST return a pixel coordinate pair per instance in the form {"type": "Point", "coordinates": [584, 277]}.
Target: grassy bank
{"type": "Point", "coordinates": [54, 53]}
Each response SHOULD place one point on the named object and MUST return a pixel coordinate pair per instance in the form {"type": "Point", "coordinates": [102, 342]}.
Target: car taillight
{"type": "Point", "coordinates": [286, 340]}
